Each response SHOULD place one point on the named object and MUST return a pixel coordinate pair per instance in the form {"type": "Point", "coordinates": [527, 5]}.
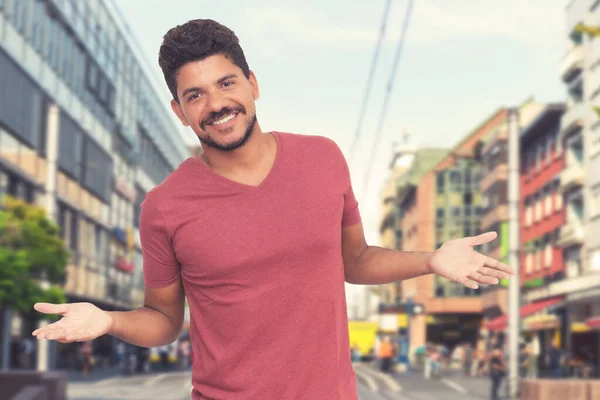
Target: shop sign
{"type": "Point", "coordinates": [125, 188]}
{"type": "Point", "coordinates": [541, 322]}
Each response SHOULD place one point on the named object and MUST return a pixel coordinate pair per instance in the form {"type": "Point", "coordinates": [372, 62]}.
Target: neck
{"type": "Point", "coordinates": [249, 156]}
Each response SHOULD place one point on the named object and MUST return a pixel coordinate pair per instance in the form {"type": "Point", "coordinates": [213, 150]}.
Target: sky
{"type": "Point", "coordinates": [461, 60]}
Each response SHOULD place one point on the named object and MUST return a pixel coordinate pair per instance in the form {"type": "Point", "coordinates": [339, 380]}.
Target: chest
{"type": "Point", "coordinates": [241, 236]}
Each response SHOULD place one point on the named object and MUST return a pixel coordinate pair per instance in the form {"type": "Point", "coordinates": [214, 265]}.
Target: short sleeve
{"type": "Point", "coordinates": [159, 263]}
{"type": "Point", "coordinates": [351, 214]}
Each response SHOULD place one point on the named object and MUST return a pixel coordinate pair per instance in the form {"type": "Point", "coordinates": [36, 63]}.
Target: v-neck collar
{"type": "Point", "coordinates": [238, 185]}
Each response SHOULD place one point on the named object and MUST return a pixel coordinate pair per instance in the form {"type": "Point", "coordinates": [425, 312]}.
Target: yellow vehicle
{"type": "Point", "coordinates": [362, 336]}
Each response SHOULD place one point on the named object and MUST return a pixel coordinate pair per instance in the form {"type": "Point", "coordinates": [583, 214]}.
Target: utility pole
{"type": "Point", "coordinates": [513, 246]}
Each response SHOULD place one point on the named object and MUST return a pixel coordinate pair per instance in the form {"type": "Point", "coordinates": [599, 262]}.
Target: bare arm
{"type": "Point", "coordinates": [157, 323]}
{"type": "Point", "coordinates": [455, 260]}
{"type": "Point", "coordinates": [372, 265]}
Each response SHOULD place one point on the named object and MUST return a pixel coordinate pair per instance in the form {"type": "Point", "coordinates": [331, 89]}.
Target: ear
{"type": "Point", "coordinates": [176, 107]}
{"type": "Point", "coordinates": [254, 86]}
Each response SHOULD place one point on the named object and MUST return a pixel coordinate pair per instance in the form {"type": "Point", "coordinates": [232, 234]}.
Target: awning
{"type": "Point", "coordinates": [593, 322]}
{"type": "Point", "coordinates": [500, 323]}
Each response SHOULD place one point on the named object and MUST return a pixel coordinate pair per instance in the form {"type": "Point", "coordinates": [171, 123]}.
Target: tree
{"type": "Point", "coordinates": [31, 252]}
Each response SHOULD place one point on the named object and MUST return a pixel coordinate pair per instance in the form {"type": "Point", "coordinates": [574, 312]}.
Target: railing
{"type": "Point", "coordinates": [572, 63]}
{"type": "Point", "coordinates": [572, 119]}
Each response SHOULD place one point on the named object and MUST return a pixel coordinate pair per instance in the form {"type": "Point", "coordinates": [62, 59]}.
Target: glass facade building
{"type": "Point", "coordinates": [85, 133]}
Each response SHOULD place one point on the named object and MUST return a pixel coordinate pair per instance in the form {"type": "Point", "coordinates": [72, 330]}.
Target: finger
{"type": "Point", "coordinates": [49, 308]}
{"type": "Point", "coordinates": [470, 284]}
{"type": "Point", "coordinates": [485, 280]}
{"type": "Point", "coordinates": [50, 328]}
{"type": "Point", "coordinates": [483, 238]}
{"type": "Point", "coordinates": [490, 262]}
{"type": "Point", "coordinates": [493, 273]}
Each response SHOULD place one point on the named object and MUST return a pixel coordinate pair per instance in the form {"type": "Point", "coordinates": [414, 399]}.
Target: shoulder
{"type": "Point", "coordinates": [311, 145]}
{"type": "Point", "coordinates": [171, 187]}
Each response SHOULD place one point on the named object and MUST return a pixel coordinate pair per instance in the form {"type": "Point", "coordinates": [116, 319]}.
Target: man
{"type": "Point", "coordinates": [259, 232]}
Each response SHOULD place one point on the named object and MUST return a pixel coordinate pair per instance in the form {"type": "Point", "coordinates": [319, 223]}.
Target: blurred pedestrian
{"type": "Point", "coordinates": [497, 369]}
{"type": "Point", "coordinates": [556, 361]}
{"type": "Point", "coordinates": [386, 354]}
{"type": "Point", "coordinates": [468, 359]}
{"type": "Point", "coordinates": [532, 363]}
{"type": "Point", "coordinates": [87, 357]}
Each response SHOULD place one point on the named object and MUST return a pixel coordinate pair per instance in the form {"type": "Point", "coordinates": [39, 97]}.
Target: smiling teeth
{"type": "Point", "coordinates": [225, 119]}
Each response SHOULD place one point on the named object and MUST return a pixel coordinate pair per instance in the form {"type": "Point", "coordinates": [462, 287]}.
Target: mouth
{"type": "Point", "coordinates": [224, 121]}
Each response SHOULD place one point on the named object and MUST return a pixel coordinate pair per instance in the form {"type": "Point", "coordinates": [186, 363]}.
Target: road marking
{"type": "Point", "coordinates": [391, 383]}
{"type": "Point", "coordinates": [454, 386]}
{"type": "Point", "coordinates": [370, 381]}
{"type": "Point", "coordinates": [155, 379]}
{"type": "Point", "coordinates": [105, 381]}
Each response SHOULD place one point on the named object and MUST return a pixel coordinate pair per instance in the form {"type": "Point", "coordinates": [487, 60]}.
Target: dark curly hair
{"type": "Point", "coordinates": [196, 40]}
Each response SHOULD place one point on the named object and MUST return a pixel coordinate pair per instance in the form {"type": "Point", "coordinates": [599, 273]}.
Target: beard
{"type": "Point", "coordinates": [208, 141]}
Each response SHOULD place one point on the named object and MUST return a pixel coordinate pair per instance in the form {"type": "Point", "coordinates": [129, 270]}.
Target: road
{"type": "Point", "coordinates": [372, 385]}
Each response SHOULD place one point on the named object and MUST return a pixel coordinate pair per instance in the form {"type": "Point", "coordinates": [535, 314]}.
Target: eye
{"type": "Point", "coordinates": [227, 83]}
{"type": "Point", "coordinates": [194, 96]}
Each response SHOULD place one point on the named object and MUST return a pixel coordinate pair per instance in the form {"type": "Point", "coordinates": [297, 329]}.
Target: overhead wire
{"type": "Point", "coordinates": [388, 92]}
{"type": "Point", "coordinates": [373, 68]}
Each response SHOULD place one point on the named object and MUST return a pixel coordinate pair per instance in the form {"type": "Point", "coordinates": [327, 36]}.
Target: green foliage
{"type": "Point", "coordinates": [30, 251]}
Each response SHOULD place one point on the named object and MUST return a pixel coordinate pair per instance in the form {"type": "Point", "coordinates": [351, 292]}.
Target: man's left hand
{"type": "Point", "coordinates": [457, 261]}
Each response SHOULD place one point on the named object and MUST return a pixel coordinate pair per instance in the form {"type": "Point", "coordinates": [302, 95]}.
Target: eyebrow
{"type": "Point", "coordinates": [197, 89]}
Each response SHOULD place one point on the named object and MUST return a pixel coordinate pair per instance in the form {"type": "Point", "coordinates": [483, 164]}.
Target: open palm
{"type": "Point", "coordinates": [457, 261]}
{"type": "Point", "coordinates": [80, 322]}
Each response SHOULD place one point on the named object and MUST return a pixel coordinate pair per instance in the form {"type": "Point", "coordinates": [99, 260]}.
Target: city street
{"type": "Point", "coordinates": [372, 385]}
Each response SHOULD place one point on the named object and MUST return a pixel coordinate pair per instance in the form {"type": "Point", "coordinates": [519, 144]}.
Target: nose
{"type": "Point", "coordinates": [216, 101]}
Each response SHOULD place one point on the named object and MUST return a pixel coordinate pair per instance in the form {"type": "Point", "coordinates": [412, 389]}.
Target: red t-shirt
{"type": "Point", "coordinates": [262, 270]}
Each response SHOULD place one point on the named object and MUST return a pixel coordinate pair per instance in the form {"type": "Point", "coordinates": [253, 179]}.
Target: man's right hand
{"type": "Point", "coordinates": [80, 322]}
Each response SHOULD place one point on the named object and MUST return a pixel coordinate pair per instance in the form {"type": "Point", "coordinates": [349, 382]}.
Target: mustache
{"type": "Point", "coordinates": [218, 115]}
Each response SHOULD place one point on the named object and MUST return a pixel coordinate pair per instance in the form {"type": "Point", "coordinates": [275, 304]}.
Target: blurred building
{"type": "Point", "coordinates": [84, 133]}
{"type": "Point", "coordinates": [575, 322]}
{"type": "Point", "coordinates": [389, 229]}
{"type": "Point", "coordinates": [541, 218]}
{"type": "Point", "coordinates": [441, 203]}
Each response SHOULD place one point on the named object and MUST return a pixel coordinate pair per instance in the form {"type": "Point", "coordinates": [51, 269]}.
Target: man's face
{"type": "Point", "coordinates": [217, 101]}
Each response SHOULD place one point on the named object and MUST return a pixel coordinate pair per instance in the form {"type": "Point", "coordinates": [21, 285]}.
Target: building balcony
{"type": "Point", "coordinates": [493, 216]}
{"type": "Point", "coordinates": [572, 120]}
{"type": "Point", "coordinates": [576, 11]}
{"type": "Point", "coordinates": [572, 177]}
{"type": "Point", "coordinates": [571, 234]}
{"type": "Point", "coordinates": [572, 64]}
{"type": "Point", "coordinates": [500, 173]}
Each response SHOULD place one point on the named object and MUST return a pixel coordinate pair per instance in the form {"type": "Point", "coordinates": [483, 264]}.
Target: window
{"type": "Point", "coordinates": [39, 18]}
{"type": "Point", "coordinates": [440, 213]}
{"type": "Point", "coordinates": [468, 211]}
{"type": "Point", "coordinates": [97, 171]}
{"type": "Point", "coordinates": [18, 15]}
{"type": "Point", "coordinates": [455, 184]}
{"type": "Point", "coordinates": [468, 180]}
{"type": "Point", "coordinates": [70, 143]}
{"type": "Point", "coordinates": [528, 211]}
{"type": "Point", "coordinates": [558, 197]}
{"type": "Point", "coordinates": [548, 200]}
{"type": "Point", "coordinates": [456, 212]}
{"type": "Point", "coordinates": [538, 206]}
{"type": "Point", "coordinates": [529, 262]}
{"type": "Point", "coordinates": [440, 182]}
{"type": "Point", "coordinates": [547, 250]}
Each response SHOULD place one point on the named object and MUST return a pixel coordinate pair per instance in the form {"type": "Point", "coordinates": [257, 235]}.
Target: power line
{"type": "Point", "coordinates": [399, 47]}
{"type": "Point", "coordinates": [363, 107]}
